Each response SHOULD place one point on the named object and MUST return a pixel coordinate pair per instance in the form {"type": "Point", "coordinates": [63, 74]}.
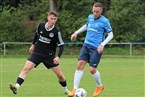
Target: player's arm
{"type": "Point", "coordinates": [60, 45]}
{"type": "Point", "coordinates": [101, 47]}
{"type": "Point", "coordinates": [34, 41]}
{"type": "Point", "coordinates": [60, 49]}
{"type": "Point", "coordinates": [36, 35]}
{"type": "Point", "coordinates": [109, 37]}
{"type": "Point", "coordinates": [35, 38]}
{"type": "Point", "coordinates": [82, 29]}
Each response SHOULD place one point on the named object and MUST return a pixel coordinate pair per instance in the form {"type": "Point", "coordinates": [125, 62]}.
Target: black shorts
{"type": "Point", "coordinates": [47, 60]}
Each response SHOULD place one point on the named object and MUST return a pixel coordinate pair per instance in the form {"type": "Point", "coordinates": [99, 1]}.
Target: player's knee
{"type": "Point", "coordinates": [92, 70]}
{"type": "Point", "coordinates": [79, 68]}
{"type": "Point", "coordinates": [80, 65]}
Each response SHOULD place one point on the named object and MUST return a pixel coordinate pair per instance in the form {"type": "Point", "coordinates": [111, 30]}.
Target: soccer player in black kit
{"type": "Point", "coordinates": [43, 49]}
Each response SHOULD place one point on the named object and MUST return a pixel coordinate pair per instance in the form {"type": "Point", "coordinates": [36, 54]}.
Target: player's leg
{"type": "Point", "coordinates": [28, 66]}
{"type": "Point", "coordinates": [62, 81]}
{"type": "Point", "coordinates": [32, 61]}
{"type": "Point", "coordinates": [78, 76]}
{"type": "Point", "coordinates": [94, 61]}
{"type": "Point", "coordinates": [97, 78]}
{"type": "Point", "coordinates": [83, 59]}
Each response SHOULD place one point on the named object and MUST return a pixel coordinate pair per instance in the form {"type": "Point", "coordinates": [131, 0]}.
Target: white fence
{"type": "Point", "coordinates": [22, 43]}
{"type": "Point", "coordinates": [6, 43]}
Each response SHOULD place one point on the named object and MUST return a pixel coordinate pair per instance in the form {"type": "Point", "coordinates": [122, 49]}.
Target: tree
{"type": "Point", "coordinates": [125, 19]}
{"type": "Point", "coordinates": [53, 5]}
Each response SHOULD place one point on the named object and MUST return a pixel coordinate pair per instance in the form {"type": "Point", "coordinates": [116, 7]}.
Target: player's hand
{"type": "Point", "coordinates": [31, 48]}
{"type": "Point", "coordinates": [56, 60]}
{"type": "Point", "coordinates": [100, 49]}
{"type": "Point", "coordinates": [73, 36]}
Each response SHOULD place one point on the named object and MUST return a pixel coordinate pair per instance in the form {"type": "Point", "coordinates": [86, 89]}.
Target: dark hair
{"type": "Point", "coordinates": [53, 13]}
{"type": "Point", "coordinates": [97, 4]}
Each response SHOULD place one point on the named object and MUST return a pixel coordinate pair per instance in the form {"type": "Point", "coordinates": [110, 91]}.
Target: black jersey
{"type": "Point", "coordinates": [47, 40]}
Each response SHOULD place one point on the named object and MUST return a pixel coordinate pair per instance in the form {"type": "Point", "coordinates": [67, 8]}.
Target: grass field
{"type": "Point", "coordinates": [121, 76]}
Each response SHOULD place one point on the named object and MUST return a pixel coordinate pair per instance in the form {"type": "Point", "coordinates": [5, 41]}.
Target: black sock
{"type": "Point", "coordinates": [63, 83]}
{"type": "Point", "coordinates": [20, 80]}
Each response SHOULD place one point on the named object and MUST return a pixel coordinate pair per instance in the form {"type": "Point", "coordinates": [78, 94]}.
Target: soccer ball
{"type": "Point", "coordinates": [80, 92]}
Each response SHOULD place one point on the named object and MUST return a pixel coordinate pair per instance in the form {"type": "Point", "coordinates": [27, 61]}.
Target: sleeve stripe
{"type": "Point", "coordinates": [60, 39]}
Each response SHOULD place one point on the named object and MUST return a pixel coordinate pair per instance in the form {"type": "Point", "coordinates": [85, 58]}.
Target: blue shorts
{"type": "Point", "coordinates": [90, 54]}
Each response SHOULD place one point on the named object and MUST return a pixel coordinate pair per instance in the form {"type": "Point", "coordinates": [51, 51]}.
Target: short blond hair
{"type": "Point", "coordinates": [53, 13]}
{"type": "Point", "coordinates": [97, 4]}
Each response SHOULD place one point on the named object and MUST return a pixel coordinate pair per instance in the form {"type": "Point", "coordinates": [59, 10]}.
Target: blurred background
{"type": "Point", "coordinates": [19, 18]}
{"type": "Point", "coordinates": [122, 66]}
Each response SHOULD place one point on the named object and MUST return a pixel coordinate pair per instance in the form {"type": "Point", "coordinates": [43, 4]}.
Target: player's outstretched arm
{"type": "Point", "coordinates": [82, 29]}
{"type": "Point", "coordinates": [73, 36]}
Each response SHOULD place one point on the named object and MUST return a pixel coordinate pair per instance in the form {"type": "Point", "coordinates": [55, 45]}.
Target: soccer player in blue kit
{"type": "Point", "coordinates": [43, 50]}
{"type": "Point", "coordinates": [97, 25]}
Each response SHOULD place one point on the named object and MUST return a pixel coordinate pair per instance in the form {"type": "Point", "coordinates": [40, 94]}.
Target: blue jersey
{"type": "Point", "coordinates": [96, 29]}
